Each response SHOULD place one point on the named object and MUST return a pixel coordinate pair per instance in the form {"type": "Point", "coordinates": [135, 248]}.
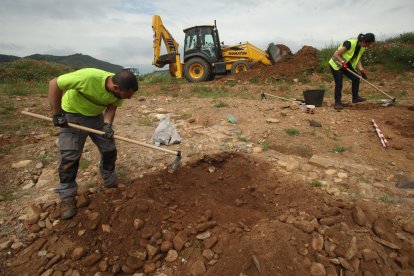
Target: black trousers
{"type": "Point", "coordinates": [338, 76]}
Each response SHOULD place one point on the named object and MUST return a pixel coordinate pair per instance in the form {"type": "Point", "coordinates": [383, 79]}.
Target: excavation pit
{"type": "Point", "coordinates": [227, 214]}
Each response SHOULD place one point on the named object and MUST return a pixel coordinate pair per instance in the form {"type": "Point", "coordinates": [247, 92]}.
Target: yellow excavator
{"type": "Point", "coordinates": [204, 55]}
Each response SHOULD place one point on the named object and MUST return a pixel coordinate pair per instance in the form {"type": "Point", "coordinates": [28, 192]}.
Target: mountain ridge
{"type": "Point", "coordinates": [75, 61]}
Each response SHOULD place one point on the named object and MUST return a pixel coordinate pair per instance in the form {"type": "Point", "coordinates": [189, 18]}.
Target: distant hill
{"type": "Point", "coordinates": [76, 61]}
{"type": "Point", "coordinates": [7, 58]}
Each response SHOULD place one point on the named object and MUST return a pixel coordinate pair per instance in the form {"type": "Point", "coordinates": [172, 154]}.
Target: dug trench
{"type": "Point", "coordinates": [225, 214]}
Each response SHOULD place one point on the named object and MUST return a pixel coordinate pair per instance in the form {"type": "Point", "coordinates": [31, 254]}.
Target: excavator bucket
{"type": "Point", "coordinates": [274, 53]}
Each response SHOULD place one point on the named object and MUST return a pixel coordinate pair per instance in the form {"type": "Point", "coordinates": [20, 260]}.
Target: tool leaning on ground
{"type": "Point", "coordinates": [177, 153]}
{"type": "Point", "coordinates": [263, 97]}
{"type": "Point", "coordinates": [388, 103]}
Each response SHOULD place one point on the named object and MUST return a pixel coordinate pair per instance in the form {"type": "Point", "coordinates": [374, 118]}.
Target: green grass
{"type": "Point", "coordinates": [316, 184]}
{"type": "Point", "coordinates": [338, 149]}
{"type": "Point", "coordinates": [121, 170]}
{"type": "Point", "coordinates": [243, 138]}
{"type": "Point", "coordinates": [7, 197]}
{"type": "Point", "coordinates": [145, 120]}
{"type": "Point", "coordinates": [402, 38]}
{"type": "Point", "coordinates": [89, 185]}
{"type": "Point", "coordinates": [324, 55]}
{"type": "Point", "coordinates": [265, 145]}
{"type": "Point", "coordinates": [386, 199]}
{"type": "Point", "coordinates": [23, 88]}
{"type": "Point", "coordinates": [220, 104]}
{"type": "Point", "coordinates": [157, 77]}
{"type": "Point", "coordinates": [231, 83]}
{"type": "Point", "coordinates": [185, 116]}
{"type": "Point", "coordinates": [335, 137]}
{"type": "Point", "coordinates": [254, 80]}
{"type": "Point", "coordinates": [292, 131]}
{"type": "Point", "coordinates": [83, 163]}
{"type": "Point", "coordinates": [7, 149]}
{"type": "Point", "coordinates": [394, 54]}
{"type": "Point", "coordinates": [8, 106]}
{"type": "Point", "coordinates": [203, 91]}
{"type": "Point", "coordinates": [31, 71]}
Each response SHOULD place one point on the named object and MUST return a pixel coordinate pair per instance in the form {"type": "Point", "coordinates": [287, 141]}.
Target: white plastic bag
{"type": "Point", "coordinates": [165, 133]}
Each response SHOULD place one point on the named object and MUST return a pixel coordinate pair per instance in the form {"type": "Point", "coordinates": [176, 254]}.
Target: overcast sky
{"type": "Point", "coordinates": [119, 31]}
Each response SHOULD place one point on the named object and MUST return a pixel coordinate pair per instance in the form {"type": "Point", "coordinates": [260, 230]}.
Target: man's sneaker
{"type": "Point", "coordinates": [338, 106]}
{"type": "Point", "coordinates": [358, 100]}
{"type": "Point", "coordinates": [68, 209]}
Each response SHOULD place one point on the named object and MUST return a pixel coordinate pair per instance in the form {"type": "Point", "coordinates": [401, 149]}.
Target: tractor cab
{"type": "Point", "coordinates": [204, 42]}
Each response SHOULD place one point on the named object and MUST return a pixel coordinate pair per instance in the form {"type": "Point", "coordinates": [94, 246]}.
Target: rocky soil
{"type": "Point", "coordinates": [279, 192]}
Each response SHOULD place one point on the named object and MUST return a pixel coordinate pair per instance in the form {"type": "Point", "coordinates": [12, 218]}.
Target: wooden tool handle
{"type": "Point", "coordinates": [376, 87]}
{"type": "Point", "coordinates": [101, 132]}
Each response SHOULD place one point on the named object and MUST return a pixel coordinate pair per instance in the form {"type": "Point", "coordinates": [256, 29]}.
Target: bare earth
{"type": "Point", "coordinates": [248, 199]}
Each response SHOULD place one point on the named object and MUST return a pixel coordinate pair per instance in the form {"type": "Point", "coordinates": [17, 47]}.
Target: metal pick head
{"type": "Point", "coordinates": [177, 162]}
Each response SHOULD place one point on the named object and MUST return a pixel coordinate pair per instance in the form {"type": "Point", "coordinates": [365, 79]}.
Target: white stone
{"type": "Point", "coordinates": [172, 256]}
{"type": "Point", "coordinates": [21, 164]}
{"type": "Point", "coordinates": [204, 235]}
{"type": "Point", "coordinates": [330, 172]}
{"type": "Point", "coordinates": [257, 149]}
{"type": "Point", "coordinates": [272, 120]}
{"type": "Point", "coordinates": [29, 185]}
{"type": "Point", "coordinates": [342, 175]}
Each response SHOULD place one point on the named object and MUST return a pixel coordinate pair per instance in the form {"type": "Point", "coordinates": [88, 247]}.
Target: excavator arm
{"type": "Point", "coordinates": [172, 58]}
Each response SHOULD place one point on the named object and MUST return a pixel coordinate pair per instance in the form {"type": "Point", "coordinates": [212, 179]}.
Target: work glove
{"type": "Point", "coordinates": [344, 64]}
{"type": "Point", "coordinates": [364, 75]}
{"type": "Point", "coordinates": [60, 120]}
{"type": "Point", "coordinates": [109, 132]}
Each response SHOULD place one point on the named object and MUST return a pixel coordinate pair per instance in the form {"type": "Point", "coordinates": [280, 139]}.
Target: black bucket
{"type": "Point", "coordinates": [314, 97]}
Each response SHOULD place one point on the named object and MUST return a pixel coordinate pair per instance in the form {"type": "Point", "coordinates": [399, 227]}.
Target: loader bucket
{"type": "Point", "coordinates": [274, 53]}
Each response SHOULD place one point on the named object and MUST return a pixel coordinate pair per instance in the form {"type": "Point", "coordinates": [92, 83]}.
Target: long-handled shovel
{"type": "Point", "coordinates": [177, 153]}
{"type": "Point", "coordinates": [263, 97]}
{"type": "Point", "coordinates": [390, 102]}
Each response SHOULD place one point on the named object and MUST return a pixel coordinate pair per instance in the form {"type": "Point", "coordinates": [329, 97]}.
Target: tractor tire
{"type": "Point", "coordinates": [197, 70]}
{"type": "Point", "coordinates": [240, 66]}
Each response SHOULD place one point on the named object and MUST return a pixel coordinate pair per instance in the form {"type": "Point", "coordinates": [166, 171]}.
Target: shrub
{"type": "Point", "coordinates": [316, 184]}
{"type": "Point", "coordinates": [395, 54]}
{"type": "Point", "coordinates": [157, 77]}
{"type": "Point", "coordinates": [292, 131]}
{"type": "Point", "coordinates": [203, 91]}
{"type": "Point", "coordinates": [324, 55]}
{"type": "Point", "coordinates": [339, 149]}
{"type": "Point", "coordinates": [221, 104]}
{"type": "Point", "coordinates": [28, 70]}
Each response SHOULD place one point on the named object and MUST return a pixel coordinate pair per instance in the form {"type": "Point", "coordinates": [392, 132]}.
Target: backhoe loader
{"type": "Point", "coordinates": [204, 55]}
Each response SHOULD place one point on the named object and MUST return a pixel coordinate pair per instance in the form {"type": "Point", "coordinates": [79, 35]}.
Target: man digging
{"type": "Point", "coordinates": [88, 97]}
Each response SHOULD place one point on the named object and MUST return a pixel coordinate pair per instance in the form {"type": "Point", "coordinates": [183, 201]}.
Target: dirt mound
{"type": "Point", "coordinates": [221, 215]}
{"type": "Point", "coordinates": [291, 67]}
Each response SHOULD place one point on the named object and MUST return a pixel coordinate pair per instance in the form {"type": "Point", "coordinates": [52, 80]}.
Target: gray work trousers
{"type": "Point", "coordinates": [71, 143]}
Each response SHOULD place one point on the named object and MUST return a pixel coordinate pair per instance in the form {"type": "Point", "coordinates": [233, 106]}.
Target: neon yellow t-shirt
{"type": "Point", "coordinates": [85, 93]}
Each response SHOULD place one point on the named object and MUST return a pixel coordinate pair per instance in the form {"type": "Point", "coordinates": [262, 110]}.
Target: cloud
{"type": "Point", "coordinates": [119, 31]}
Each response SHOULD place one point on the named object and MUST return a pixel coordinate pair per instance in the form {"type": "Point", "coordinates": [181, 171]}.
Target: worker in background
{"type": "Point", "coordinates": [88, 97]}
{"type": "Point", "coordinates": [348, 56]}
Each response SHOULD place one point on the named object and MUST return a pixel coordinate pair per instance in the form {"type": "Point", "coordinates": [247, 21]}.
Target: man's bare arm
{"type": "Point", "coordinates": [109, 114]}
{"type": "Point", "coordinates": [55, 97]}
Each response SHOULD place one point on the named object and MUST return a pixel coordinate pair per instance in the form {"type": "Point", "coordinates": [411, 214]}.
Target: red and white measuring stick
{"type": "Point", "coordinates": [384, 141]}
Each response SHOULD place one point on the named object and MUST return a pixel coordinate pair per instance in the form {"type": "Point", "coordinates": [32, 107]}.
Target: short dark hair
{"type": "Point", "coordinates": [125, 80]}
{"type": "Point", "coordinates": [368, 37]}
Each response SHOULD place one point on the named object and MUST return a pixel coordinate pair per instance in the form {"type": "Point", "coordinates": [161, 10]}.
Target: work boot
{"type": "Point", "coordinates": [358, 100]}
{"type": "Point", "coordinates": [111, 186]}
{"type": "Point", "coordinates": [68, 208]}
{"type": "Point", "coordinates": [338, 106]}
